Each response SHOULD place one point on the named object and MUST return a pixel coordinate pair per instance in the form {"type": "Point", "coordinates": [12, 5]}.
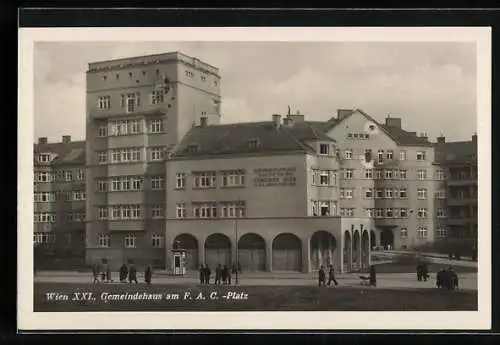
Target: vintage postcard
{"type": "Point", "coordinates": [254, 178]}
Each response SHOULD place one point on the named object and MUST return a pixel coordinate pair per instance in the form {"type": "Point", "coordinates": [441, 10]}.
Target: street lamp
{"type": "Point", "coordinates": [236, 234]}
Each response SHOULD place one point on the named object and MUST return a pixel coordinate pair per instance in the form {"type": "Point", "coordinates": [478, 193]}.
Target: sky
{"type": "Point", "coordinates": [430, 85]}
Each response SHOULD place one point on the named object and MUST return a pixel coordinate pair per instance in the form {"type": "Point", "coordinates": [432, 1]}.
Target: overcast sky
{"type": "Point", "coordinates": [431, 86]}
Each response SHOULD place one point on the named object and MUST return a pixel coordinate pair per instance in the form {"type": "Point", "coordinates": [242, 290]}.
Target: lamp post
{"type": "Point", "coordinates": [236, 235]}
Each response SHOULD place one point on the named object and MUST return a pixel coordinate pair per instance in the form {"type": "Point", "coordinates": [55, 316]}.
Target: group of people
{"type": "Point", "coordinates": [322, 276]}
{"type": "Point", "coordinates": [222, 274]}
{"type": "Point", "coordinates": [447, 279]}
{"type": "Point", "coordinates": [125, 272]}
{"type": "Point", "coordinates": [422, 271]}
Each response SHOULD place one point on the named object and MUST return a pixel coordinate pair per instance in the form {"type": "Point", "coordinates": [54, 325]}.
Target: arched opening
{"type": "Point", "coordinates": [347, 251]}
{"type": "Point", "coordinates": [356, 250]}
{"type": "Point", "coordinates": [217, 250]}
{"type": "Point", "coordinates": [365, 250]}
{"type": "Point", "coordinates": [322, 248]}
{"type": "Point", "coordinates": [387, 239]}
{"type": "Point", "coordinates": [373, 240]}
{"type": "Point", "coordinates": [287, 253]}
{"type": "Point", "coordinates": [190, 244]}
{"type": "Point", "coordinates": [252, 252]}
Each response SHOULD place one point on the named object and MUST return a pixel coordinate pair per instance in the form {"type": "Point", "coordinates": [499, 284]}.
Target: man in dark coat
{"type": "Point", "coordinates": [425, 271]}
{"type": "Point", "coordinates": [439, 278]}
{"type": "Point", "coordinates": [228, 274]}
{"type": "Point", "coordinates": [373, 276]}
{"type": "Point", "coordinates": [95, 274]}
{"type": "Point", "coordinates": [132, 274]}
{"type": "Point", "coordinates": [331, 276]}
{"type": "Point", "coordinates": [218, 274]}
{"type": "Point", "coordinates": [202, 274]}
{"type": "Point", "coordinates": [208, 272]}
{"type": "Point", "coordinates": [123, 273]}
{"type": "Point", "coordinates": [419, 271]}
{"type": "Point", "coordinates": [148, 274]}
{"type": "Point", "coordinates": [224, 274]}
{"type": "Point", "coordinates": [321, 276]}
{"type": "Point", "coordinates": [453, 280]}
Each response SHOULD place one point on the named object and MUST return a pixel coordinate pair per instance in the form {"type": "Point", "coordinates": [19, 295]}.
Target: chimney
{"type": "Point", "coordinates": [441, 139]}
{"type": "Point", "coordinates": [393, 122]}
{"type": "Point", "coordinates": [42, 140]}
{"type": "Point", "coordinates": [203, 121]}
{"type": "Point", "coordinates": [66, 139]}
{"type": "Point", "coordinates": [277, 120]}
{"type": "Point", "coordinates": [296, 117]}
{"type": "Point", "coordinates": [288, 121]}
{"type": "Point", "coordinates": [342, 113]}
{"type": "Point", "coordinates": [474, 138]}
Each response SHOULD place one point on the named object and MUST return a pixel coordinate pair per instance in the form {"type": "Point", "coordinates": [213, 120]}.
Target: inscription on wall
{"type": "Point", "coordinates": [271, 177]}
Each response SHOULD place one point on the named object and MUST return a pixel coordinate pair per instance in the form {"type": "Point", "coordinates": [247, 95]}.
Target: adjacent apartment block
{"type": "Point", "coordinates": [59, 199]}
{"type": "Point", "coordinates": [137, 110]}
{"type": "Point", "coordinates": [457, 211]}
{"type": "Point", "coordinates": [264, 194]}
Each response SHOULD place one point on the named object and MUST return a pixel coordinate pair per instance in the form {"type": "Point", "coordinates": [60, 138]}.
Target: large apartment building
{"type": "Point", "coordinates": [158, 171]}
{"type": "Point", "coordinates": [137, 110]}
{"type": "Point", "coordinates": [59, 198]}
{"type": "Point", "coordinates": [457, 162]}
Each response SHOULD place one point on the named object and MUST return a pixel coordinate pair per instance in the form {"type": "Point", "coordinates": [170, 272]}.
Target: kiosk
{"type": "Point", "coordinates": [178, 262]}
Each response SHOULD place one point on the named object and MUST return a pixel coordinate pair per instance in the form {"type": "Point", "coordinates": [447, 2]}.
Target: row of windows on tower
{"type": "Point", "coordinates": [130, 241]}
{"type": "Point", "coordinates": [132, 101]}
{"type": "Point", "coordinates": [129, 127]}
{"type": "Point", "coordinates": [383, 155]}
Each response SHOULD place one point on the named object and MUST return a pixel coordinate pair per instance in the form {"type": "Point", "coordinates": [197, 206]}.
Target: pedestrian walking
{"type": "Point", "coordinates": [440, 278]}
{"type": "Point", "coordinates": [202, 274]}
{"type": "Point", "coordinates": [321, 276]}
{"type": "Point", "coordinates": [148, 274]}
{"type": "Point", "coordinates": [228, 274]}
{"type": "Point", "coordinates": [208, 272]}
{"type": "Point", "coordinates": [123, 273]}
{"type": "Point", "coordinates": [218, 274]}
{"type": "Point", "coordinates": [95, 274]}
{"type": "Point", "coordinates": [132, 274]}
{"type": "Point", "coordinates": [425, 271]}
{"type": "Point", "coordinates": [331, 276]}
{"type": "Point", "coordinates": [373, 276]}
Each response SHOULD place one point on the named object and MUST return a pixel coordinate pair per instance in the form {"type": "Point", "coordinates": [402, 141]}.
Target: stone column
{"type": "Point", "coordinates": [306, 255]}
{"type": "Point", "coordinates": [201, 253]}
{"type": "Point", "coordinates": [269, 256]}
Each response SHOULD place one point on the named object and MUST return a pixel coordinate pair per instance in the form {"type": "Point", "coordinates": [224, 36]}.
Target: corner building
{"type": "Point", "coordinates": [263, 194]}
{"type": "Point", "coordinates": [137, 110]}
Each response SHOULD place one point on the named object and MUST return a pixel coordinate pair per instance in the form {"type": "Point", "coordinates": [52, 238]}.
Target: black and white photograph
{"type": "Point", "coordinates": [201, 178]}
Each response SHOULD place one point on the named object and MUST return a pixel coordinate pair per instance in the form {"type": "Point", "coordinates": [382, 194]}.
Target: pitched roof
{"type": "Point", "coordinates": [399, 135]}
{"type": "Point", "coordinates": [66, 153]}
{"type": "Point", "coordinates": [456, 152]}
{"type": "Point", "coordinates": [235, 139]}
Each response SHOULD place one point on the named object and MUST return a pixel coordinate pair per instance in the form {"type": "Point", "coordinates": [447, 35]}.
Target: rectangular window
{"type": "Point", "coordinates": [102, 186]}
{"type": "Point", "coordinates": [102, 157]}
{"type": "Point", "coordinates": [388, 193]}
{"type": "Point", "coordinates": [370, 212]}
{"type": "Point", "coordinates": [78, 195]}
{"type": "Point", "coordinates": [422, 232]}
{"type": "Point", "coordinates": [402, 174]}
{"type": "Point", "coordinates": [157, 96]}
{"type": "Point", "coordinates": [324, 149]}
{"type": "Point", "coordinates": [180, 180]}
{"type": "Point", "coordinates": [157, 241]}
{"type": "Point", "coordinates": [379, 213]}
{"type": "Point", "coordinates": [441, 232]}
{"type": "Point", "coordinates": [440, 194]}
{"type": "Point", "coordinates": [133, 101]}
{"type": "Point", "coordinates": [233, 209]}
{"type": "Point", "coordinates": [233, 178]}
{"type": "Point", "coordinates": [421, 156]}
{"type": "Point", "coordinates": [402, 155]}
{"type": "Point", "coordinates": [421, 174]}
{"type": "Point", "coordinates": [348, 154]}
{"type": "Point", "coordinates": [403, 213]}
{"type": "Point", "coordinates": [205, 210]}
{"type": "Point", "coordinates": [348, 174]}
{"type": "Point", "coordinates": [369, 193]}
{"type": "Point", "coordinates": [157, 182]}
{"type": "Point", "coordinates": [422, 213]}
{"type": "Point", "coordinates": [102, 130]}
{"type": "Point", "coordinates": [135, 126]}
{"type": "Point", "coordinates": [380, 155]}
{"type": "Point", "coordinates": [157, 153]}
{"type": "Point", "coordinates": [324, 178]}
{"type": "Point", "coordinates": [440, 174]}
{"type": "Point", "coordinates": [347, 212]}
{"type": "Point", "coordinates": [103, 241]}
{"type": "Point", "coordinates": [68, 176]}
{"type": "Point", "coordinates": [346, 193]}
{"type": "Point", "coordinates": [104, 102]}
{"type": "Point", "coordinates": [180, 210]}
{"type": "Point", "coordinates": [441, 213]}
{"type": "Point", "coordinates": [204, 180]}
{"type": "Point", "coordinates": [388, 174]}
{"type": "Point", "coordinates": [421, 193]}
{"type": "Point", "coordinates": [156, 126]}
{"type": "Point", "coordinates": [130, 241]}
{"type": "Point", "coordinates": [403, 233]}
{"type": "Point", "coordinates": [157, 211]}
{"type": "Point", "coordinates": [368, 173]}
{"type": "Point", "coordinates": [379, 174]}
{"type": "Point", "coordinates": [102, 212]}
{"type": "Point", "coordinates": [390, 155]}
{"type": "Point", "coordinates": [389, 213]}
{"type": "Point", "coordinates": [379, 193]}
{"type": "Point", "coordinates": [402, 193]}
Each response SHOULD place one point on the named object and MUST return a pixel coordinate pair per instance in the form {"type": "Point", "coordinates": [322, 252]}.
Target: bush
{"type": "Point", "coordinates": [450, 246]}
{"type": "Point", "coordinates": [408, 259]}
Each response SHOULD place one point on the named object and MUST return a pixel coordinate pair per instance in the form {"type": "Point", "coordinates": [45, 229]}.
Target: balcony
{"type": "Point", "coordinates": [460, 201]}
{"type": "Point", "coordinates": [458, 183]}
{"type": "Point", "coordinates": [460, 221]}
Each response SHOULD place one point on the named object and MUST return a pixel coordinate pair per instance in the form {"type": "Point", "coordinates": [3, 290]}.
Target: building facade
{"type": "Point", "coordinates": [457, 163]}
{"type": "Point", "coordinates": [263, 194]}
{"type": "Point", "coordinates": [137, 110]}
{"type": "Point", "coordinates": [59, 201]}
